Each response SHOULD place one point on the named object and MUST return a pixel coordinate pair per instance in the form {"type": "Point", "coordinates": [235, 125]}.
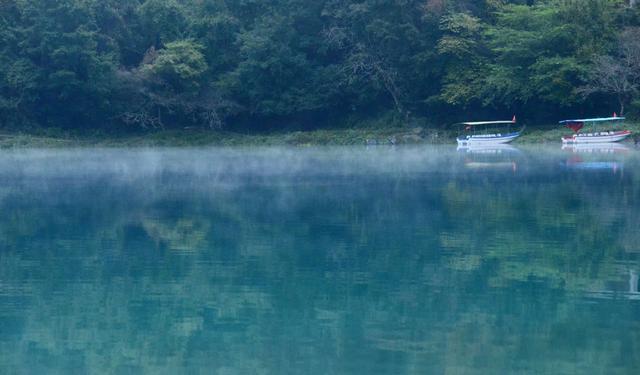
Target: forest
{"type": "Point", "coordinates": [258, 65]}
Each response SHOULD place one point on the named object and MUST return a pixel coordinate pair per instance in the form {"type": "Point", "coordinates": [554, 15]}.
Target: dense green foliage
{"type": "Point", "coordinates": [266, 65]}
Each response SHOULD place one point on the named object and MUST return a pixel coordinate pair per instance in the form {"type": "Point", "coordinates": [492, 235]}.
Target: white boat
{"type": "Point", "coordinates": [487, 138]}
{"type": "Point", "coordinates": [606, 136]}
{"type": "Point", "coordinates": [597, 137]}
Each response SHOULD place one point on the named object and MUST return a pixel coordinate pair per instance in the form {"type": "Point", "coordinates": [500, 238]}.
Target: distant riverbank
{"type": "Point", "coordinates": [48, 138]}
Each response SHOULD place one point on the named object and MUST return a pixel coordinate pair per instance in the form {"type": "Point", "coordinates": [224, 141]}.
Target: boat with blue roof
{"type": "Point", "coordinates": [487, 133]}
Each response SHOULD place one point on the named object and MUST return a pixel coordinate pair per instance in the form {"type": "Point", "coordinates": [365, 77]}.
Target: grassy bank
{"type": "Point", "coordinates": [205, 137]}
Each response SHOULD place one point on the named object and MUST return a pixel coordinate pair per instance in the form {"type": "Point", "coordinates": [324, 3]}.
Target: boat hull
{"type": "Point", "coordinates": [487, 139]}
{"type": "Point", "coordinates": [597, 137]}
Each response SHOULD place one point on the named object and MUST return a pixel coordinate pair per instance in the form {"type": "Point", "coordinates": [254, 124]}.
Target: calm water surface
{"type": "Point", "coordinates": [320, 261]}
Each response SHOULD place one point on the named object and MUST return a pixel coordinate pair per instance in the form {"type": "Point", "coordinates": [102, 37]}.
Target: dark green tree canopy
{"type": "Point", "coordinates": [257, 64]}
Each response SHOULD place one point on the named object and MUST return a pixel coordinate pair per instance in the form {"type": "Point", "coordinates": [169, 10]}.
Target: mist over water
{"type": "Point", "coordinates": [321, 260]}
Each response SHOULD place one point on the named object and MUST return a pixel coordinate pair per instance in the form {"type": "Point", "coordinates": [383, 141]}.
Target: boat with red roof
{"type": "Point", "coordinates": [597, 135]}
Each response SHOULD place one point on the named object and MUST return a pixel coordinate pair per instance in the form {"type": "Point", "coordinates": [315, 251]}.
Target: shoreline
{"type": "Point", "coordinates": [53, 138]}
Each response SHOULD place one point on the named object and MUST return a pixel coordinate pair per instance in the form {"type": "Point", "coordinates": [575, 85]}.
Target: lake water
{"type": "Point", "coordinates": [320, 261]}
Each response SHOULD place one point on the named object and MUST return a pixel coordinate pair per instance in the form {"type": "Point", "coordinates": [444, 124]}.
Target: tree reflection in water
{"type": "Point", "coordinates": [316, 261]}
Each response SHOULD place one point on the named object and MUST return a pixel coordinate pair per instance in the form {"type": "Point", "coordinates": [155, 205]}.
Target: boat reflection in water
{"type": "Point", "coordinates": [624, 289]}
{"type": "Point", "coordinates": [595, 156]}
{"type": "Point", "coordinates": [490, 157]}
{"type": "Point", "coordinates": [597, 148]}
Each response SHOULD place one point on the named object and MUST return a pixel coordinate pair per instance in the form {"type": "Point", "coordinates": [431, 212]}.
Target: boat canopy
{"type": "Point", "coordinates": [486, 123]}
{"type": "Point", "coordinates": [603, 119]}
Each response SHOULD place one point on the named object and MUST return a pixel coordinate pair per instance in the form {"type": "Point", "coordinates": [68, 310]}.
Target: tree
{"type": "Point", "coordinates": [163, 21]}
{"type": "Point", "coordinates": [284, 71]}
{"type": "Point", "coordinates": [618, 75]}
{"type": "Point", "coordinates": [364, 63]}
{"type": "Point", "coordinates": [527, 56]}
{"type": "Point", "coordinates": [60, 58]}
{"type": "Point", "coordinates": [461, 45]}
{"type": "Point", "coordinates": [168, 83]}
{"type": "Point", "coordinates": [18, 76]}
{"type": "Point", "coordinates": [385, 50]}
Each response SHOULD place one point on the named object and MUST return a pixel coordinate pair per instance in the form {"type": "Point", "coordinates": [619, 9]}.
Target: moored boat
{"type": "Point", "coordinates": [486, 137]}
{"type": "Point", "coordinates": [596, 135]}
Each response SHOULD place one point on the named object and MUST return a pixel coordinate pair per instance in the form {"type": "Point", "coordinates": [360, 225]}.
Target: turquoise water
{"type": "Point", "coordinates": [320, 261]}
